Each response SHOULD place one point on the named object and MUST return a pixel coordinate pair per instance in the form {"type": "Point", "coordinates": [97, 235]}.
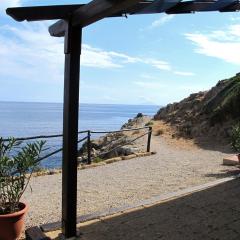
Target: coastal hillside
{"type": "Point", "coordinates": [209, 114]}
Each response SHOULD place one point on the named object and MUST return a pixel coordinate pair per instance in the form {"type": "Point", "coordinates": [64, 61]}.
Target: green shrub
{"type": "Point", "coordinates": [98, 160]}
{"type": "Point", "coordinates": [17, 163]}
{"type": "Point", "coordinates": [225, 104]}
{"type": "Point", "coordinates": [236, 137]}
{"type": "Point", "coordinates": [148, 124]}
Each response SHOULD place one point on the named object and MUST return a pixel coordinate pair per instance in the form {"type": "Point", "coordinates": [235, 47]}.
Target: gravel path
{"type": "Point", "coordinates": [127, 182]}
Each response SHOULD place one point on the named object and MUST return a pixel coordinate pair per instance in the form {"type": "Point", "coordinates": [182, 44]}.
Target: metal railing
{"type": "Point", "coordinates": [89, 145]}
{"type": "Point", "coordinates": [88, 141]}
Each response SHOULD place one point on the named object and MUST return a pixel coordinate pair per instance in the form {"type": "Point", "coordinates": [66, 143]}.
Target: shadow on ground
{"type": "Point", "coordinates": [210, 214]}
{"type": "Point", "coordinates": [212, 144]}
{"type": "Point", "coordinates": [223, 173]}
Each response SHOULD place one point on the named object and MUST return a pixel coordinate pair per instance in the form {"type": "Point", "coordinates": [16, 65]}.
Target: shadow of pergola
{"type": "Point", "coordinates": [213, 213]}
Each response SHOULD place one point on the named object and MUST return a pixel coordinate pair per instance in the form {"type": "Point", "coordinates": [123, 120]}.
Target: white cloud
{"type": "Point", "coordinates": [234, 18]}
{"type": "Point", "coordinates": [93, 57]}
{"type": "Point", "coordinates": [162, 65]}
{"type": "Point", "coordinates": [222, 44]}
{"type": "Point", "coordinates": [150, 85]}
{"type": "Point", "coordinates": [161, 21]}
{"type": "Point", "coordinates": [29, 52]}
{"type": "Point", "coordinates": [31, 45]}
{"type": "Point", "coordinates": [4, 4]}
{"type": "Point", "coordinates": [169, 88]}
{"type": "Point", "coordinates": [147, 76]}
{"type": "Point", "coordinates": [187, 74]}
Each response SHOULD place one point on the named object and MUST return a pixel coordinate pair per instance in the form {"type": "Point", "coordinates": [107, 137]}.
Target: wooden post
{"type": "Point", "coordinates": [89, 148]}
{"type": "Point", "coordinates": [73, 38]}
{"type": "Point", "coordinates": [149, 139]}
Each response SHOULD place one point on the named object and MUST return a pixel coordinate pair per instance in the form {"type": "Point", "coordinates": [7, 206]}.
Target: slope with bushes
{"type": "Point", "coordinates": [211, 113]}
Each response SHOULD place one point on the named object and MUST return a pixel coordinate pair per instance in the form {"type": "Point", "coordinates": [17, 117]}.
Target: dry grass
{"type": "Point", "coordinates": [162, 129]}
{"type": "Point", "coordinates": [158, 132]}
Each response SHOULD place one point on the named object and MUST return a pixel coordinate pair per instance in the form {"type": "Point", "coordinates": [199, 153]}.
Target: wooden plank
{"type": "Point", "coordinates": [188, 7]}
{"type": "Point", "coordinates": [194, 6]}
{"type": "Point", "coordinates": [35, 233]}
{"type": "Point", "coordinates": [231, 8]}
{"type": "Point", "coordinates": [93, 12]}
{"type": "Point", "coordinates": [42, 12]}
{"type": "Point", "coordinates": [99, 9]}
{"type": "Point", "coordinates": [144, 7]}
{"type": "Point", "coordinates": [159, 6]}
{"type": "Point", "coordinates": [70, 130]}
{"type": "Point", "coordinates": [219, 5]}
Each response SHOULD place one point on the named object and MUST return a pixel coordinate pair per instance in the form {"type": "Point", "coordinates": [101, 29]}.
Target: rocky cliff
{"type": "Point", "coordinates": [206, 114]}
{"type": "Point", "coordinates": [119, 143]}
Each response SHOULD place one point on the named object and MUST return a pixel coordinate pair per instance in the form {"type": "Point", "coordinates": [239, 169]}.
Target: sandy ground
{"type": "Point", "coordinates": [122, 183]}
{"type": "Point", "coordinates": [210, 214]}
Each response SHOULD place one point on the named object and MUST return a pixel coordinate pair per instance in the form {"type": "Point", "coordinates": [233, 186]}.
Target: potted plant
{"type": "Point", "coordinates": [17, 163]}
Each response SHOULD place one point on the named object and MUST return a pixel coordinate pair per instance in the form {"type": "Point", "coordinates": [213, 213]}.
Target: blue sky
{"type": "Point", "coordinates": [150, 59]}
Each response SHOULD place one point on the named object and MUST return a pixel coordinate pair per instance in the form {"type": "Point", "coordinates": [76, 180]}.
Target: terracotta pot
{"type": "Point", "coordinates": [11, 225]}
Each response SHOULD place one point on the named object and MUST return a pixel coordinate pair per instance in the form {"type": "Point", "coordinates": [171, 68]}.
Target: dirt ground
{"type": "Point", "coordinates": [178, 164]}
{"type": "Point", "coordinates": [211, 214]}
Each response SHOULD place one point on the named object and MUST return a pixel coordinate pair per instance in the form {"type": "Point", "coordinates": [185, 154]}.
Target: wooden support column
{"type": "Point", "coordinates": [149, 139]}
{"type": "Point", "coordinates": [73, 37]}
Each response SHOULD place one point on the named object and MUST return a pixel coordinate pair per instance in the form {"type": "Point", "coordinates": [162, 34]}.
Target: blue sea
{"type": "Point", "coordinates": [19, 119]}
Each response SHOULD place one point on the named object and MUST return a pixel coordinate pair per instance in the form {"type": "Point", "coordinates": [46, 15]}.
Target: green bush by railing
{"type": "Point", "coordinates": [236, 137]}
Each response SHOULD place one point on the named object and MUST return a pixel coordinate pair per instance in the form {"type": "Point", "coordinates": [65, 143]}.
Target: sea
{"type": "Point", "coordinates": [25, 119]}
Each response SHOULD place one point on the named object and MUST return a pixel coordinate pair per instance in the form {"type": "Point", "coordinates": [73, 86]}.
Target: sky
{"type": "Point", "coordinates": [149, 59]}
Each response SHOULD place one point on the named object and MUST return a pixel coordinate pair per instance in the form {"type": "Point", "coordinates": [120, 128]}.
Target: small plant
{"type": "Point", "coordinates": [17, 163]}
{"type": "Point", "coordinates": [136, 132]}
{"type": "Point", "coordinates": [97, 160]}
{"type": "Point", "coordinates": [159, 132]}
{"type": "Point", "coordinates": [236, 137]}
{"type": "Point", "coordinates": [148, 124]}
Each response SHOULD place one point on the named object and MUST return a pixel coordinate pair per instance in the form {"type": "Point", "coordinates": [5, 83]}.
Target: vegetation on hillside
{"type": "Point", "coordinates": [210, 114]}
{"type": "Point", "coordinates": [225, 105]}
{"type": "Point", "coordinates": [236, 137]}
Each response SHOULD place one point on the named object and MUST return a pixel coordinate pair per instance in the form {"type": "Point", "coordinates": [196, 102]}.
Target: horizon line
{"type": "Point", "coordinates": [131, 104]}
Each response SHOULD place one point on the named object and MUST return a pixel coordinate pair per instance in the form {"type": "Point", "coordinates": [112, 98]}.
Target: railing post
{"type": "Point", "coordinates": [89, 148]}
{"type": "Point", "coordinates": [149, 139]}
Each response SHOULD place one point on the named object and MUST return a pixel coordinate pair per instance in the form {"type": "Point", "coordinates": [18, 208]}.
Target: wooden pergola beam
{"type": "Point", "coordinates": [99, 9]}
{"type": "Point", "coordinates": [235, 6]}
{"type": "Point", "coordinates": [92, 12]}
{"type": "Point", "coordinates": [202, 6]}
{"type": "Point", "coordinates": [141, 7]}
{"type": "Point", "coordinates": [158, 6]}
{"type": "Point", "coordinates": [42, 12]}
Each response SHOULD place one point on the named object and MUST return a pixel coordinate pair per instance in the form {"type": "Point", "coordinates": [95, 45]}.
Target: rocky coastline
{"type": "Point", "coordinates": [120, 143]}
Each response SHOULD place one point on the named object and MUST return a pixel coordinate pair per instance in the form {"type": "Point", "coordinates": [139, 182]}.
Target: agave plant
{"type": "Point", "coordinates": [17, 163]}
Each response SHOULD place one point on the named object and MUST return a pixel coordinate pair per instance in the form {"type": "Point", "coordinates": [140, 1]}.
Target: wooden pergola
{"type": "Point", "coordinates": [72, 19]}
